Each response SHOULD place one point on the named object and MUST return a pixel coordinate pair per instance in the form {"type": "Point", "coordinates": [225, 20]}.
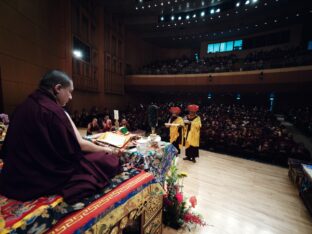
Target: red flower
{"type": "Point", "coordinates": [179, 197]}
{"type": "Point", "coordinates": [193, 218]}
{"type": "Point", "coordinates": [193, 201]}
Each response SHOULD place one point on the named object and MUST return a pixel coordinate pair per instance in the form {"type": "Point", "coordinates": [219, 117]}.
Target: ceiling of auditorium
{"type": "Point", "coordinates": [186, 23]}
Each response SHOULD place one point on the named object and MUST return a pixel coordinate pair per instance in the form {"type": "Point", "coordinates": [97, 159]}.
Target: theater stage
{"type": "Point", "coordinates": [239, 196]}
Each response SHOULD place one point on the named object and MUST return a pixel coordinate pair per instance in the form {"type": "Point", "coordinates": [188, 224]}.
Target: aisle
{"type": "Point", "coordinates": [297, 134]}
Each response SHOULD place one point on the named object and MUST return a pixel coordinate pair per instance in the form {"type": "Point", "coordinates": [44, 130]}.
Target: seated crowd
{"type": "Point", "coordinates": [235, 129]}
{"type": "Point", "coordinates": [275, 58]}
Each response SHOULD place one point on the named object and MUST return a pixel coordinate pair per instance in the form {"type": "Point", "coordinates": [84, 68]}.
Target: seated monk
{"type": "Point", "coordinates": [93, 126]}
{"type": "Point", "coordinates": [43, 152]}
{"type": "Point", "coordinates": [107, 124]}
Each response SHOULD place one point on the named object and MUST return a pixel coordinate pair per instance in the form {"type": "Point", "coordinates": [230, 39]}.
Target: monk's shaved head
{"type": "Point", "coordinates": [53, 78]}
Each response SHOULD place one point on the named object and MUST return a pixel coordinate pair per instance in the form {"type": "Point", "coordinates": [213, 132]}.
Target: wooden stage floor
{"type": "Point", "coordinates": [238, 196]}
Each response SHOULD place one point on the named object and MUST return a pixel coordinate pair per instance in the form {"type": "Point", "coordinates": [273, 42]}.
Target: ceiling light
{"type": "Point", "coordinates": [162, 18]}
{"type": "Point", "coordinates": [247, 2]}
{"type": "Point", "coordinates": [172, 17]}
{"type": "Point", "coordinates": [238, 4]}
{"type": "Point", "coordinates": [179, 18]}
{"type": "Point", "coordinates": [161, 3]}
{"type": "Point", "coordinates": [136, 8]}
{"type": "Point", "coordinates": [254, 1]}
{"type": "Point", "coordinates": [212, 11]}
{"type": "Point", "coordinates": [218, 10]}
{"type": "Point", "coordinates": [202, 14]}
{"type": "Point", "coordinates": [194, 16]}
{"type": "Point", "coordinates": [187, 17]}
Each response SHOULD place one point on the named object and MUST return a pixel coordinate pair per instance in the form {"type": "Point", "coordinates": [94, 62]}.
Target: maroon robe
{"type": "Point", "coordinates": [42, 156]}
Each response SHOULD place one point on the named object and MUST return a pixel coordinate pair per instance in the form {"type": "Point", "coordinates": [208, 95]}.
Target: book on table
{"type": "Point", "coordinates": [114, 139]}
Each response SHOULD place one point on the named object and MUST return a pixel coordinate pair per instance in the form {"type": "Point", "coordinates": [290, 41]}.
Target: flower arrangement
{"type": "Point", "coordinates": [177, 209]}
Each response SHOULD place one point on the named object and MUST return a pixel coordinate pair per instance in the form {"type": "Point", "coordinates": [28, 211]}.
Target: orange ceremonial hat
{"type": "Point", "coordinates": [175, 110]}
{"type": "Point", "coordinates": [193, 108]}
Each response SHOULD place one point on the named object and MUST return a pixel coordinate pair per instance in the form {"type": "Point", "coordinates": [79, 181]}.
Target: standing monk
{"type": "Point", "coordinates": [44, 153]}
{"type": "Point", "coordinates": [192, 127]}
{"type": "Point", "coordinates": [176, 127]}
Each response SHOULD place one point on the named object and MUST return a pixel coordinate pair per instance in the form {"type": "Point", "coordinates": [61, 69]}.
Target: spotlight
{"type": "Point", "coordinates": [202, 14]}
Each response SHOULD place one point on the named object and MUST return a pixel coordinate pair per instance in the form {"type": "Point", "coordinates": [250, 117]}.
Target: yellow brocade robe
{"type": "Point", "coordinates": [174, 130]}
{"type": "Point", "coordinates": [193, 134]}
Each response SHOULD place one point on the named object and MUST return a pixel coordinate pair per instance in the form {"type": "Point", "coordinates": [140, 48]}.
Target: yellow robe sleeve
{"type": "Point", "coordinates": [193, 136]}
{"type": "Point", "coordinates": [174, 130]}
